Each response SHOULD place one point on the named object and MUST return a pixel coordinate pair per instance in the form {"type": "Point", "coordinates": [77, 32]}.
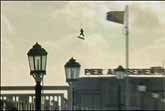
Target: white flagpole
{"type": "Point", "coordinates": [127, 36]}
{"type": "Point", "coordinates": [126, 21]}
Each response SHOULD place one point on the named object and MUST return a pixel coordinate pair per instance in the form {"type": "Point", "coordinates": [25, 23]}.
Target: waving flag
{"type": "Point", "coordinates": [120, 17]}
{"type": "Point", "coordinates": [116, 16]}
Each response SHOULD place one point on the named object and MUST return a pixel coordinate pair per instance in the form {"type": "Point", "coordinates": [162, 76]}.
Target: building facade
{"type": "Point", "coordinates": [101, 90]}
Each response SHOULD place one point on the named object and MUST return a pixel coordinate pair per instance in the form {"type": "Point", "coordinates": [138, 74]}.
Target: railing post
{"type": "Point", "coordinates": [62, 102]}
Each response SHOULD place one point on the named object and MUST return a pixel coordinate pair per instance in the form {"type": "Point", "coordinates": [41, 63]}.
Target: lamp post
{"type": "Point", "coordinates": [155, 96]}
{"type": "Point", "coordinates": [120, 74]}
{"type": "Point", "coordinates": [72, 72]}
{"type": "Point", "coordinates": [142, 89]}
{"type": "Point", "coordinates": [37, 61]}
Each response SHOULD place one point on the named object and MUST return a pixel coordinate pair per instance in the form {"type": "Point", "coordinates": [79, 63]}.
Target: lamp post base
{"type": "Point", "coordinates": [38, 96]}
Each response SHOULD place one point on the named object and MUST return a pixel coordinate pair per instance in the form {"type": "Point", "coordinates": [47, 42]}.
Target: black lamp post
{"type": "Point", "coordinates": [142, 89]}
{"type": "Point", "coordinates": [37, 61]}
{"type": "Point", "coordinates": [72, 72]}
{"type": "Point", "coordinates": [120, 74]}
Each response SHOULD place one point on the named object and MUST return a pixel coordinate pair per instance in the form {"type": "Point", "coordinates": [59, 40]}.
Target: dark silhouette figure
{"type": "Point", "coordinates": [82, 32]}
{"type": "Point", "coordinates": [81, 36]}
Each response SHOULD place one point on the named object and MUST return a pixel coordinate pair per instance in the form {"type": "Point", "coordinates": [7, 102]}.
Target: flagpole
{"type": "Point", "coordinates": [127, 38]}
{"type": "Point", "coordinates": [127, 55]}
{"type": "Point", "coordinates": [117, 16]}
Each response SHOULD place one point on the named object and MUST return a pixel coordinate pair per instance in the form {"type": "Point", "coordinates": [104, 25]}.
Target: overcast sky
{"type": "Point", "coordinates": [56, 25]}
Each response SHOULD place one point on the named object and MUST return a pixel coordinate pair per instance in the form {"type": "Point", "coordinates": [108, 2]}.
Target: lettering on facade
{"type": "Point", "coordinates": [149, 71]}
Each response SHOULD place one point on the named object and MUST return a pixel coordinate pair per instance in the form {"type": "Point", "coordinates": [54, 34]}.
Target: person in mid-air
{"type": "Point", "coordinates": [82, 32]}
{"type": "Point", "coordinates": [81, 36]}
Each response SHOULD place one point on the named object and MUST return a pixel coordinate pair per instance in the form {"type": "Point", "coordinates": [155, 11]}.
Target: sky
{"type": "Point", "coordinates": [55, 26]}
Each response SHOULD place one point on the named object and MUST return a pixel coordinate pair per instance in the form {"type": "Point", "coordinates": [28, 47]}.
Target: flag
{"type": "Point", "coordinates": [116, 16]}
{"type": "Point", "coordinates": [120, 17]}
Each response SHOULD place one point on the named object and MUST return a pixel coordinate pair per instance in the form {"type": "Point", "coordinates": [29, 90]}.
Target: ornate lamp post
{"type": "Point", "coordinates": [120, 74]}
{"type": "Point", "coordinates": [142, 89]}
{"type": "Point", "coordinates": [72, 72]}
{"type": "Point", "coordinates": [37, 61]}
